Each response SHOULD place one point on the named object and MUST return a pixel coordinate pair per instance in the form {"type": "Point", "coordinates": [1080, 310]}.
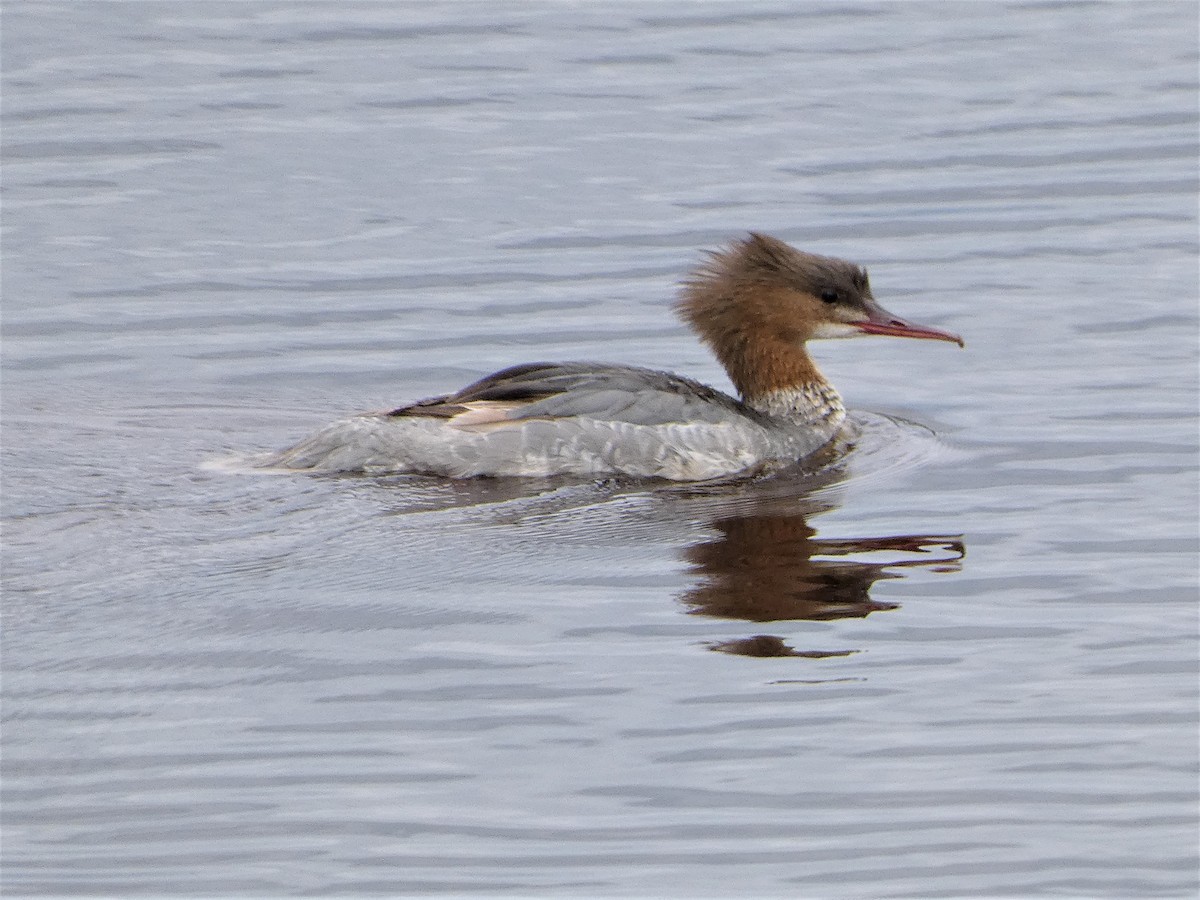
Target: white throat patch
{"type": "Point", "coordinates": [827, 330]}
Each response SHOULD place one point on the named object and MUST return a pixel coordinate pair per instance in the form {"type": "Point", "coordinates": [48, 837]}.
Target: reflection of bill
{"type": "Point", "coordinates": [772, 568]}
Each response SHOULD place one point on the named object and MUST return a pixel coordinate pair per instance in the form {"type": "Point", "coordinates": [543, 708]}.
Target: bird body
{"type": "Point", "coordinates": [755, 303]}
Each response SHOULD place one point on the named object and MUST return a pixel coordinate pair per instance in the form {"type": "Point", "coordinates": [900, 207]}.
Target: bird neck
{"type": "Point", "coordinates": [780, 380]}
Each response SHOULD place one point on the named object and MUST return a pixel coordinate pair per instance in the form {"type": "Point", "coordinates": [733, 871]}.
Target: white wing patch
{"type": "Point", "coordinates": [483, 415]}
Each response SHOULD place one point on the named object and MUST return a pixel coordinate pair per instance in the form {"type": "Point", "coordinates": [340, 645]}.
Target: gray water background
{"type": "Point", "coordinates": [225, 224]}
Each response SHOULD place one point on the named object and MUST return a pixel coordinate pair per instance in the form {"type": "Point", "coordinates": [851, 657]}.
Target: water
{"type": "Point", "coordinates": [959, 661]}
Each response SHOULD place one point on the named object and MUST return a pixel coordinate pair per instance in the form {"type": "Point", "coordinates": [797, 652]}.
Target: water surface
{"type": "Point", "coordinates": [959, 659]}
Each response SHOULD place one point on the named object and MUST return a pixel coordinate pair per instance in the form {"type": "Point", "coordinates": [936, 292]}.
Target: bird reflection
{"type": "Point", "coordinates": [769, 645]}
{"type": "Point", "coordinates": [773, 567]}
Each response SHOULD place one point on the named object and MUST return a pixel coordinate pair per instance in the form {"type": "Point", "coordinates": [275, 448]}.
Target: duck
{"type": "Point", "coordinates": [755, 302]}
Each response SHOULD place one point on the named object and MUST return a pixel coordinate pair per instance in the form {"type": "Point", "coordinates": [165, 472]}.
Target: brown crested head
{"type": "Point", "coordinates": [757, 301]}
{"type": "Point", "coordinates": [762, 285]}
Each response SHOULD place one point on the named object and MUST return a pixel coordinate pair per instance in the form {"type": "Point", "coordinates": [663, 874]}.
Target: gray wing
{"type": "Point", "coordinates": [603, 392]}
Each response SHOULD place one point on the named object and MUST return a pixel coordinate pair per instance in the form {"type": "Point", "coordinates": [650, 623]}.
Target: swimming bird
{"type": "Point", "coordinates": [756, 303]}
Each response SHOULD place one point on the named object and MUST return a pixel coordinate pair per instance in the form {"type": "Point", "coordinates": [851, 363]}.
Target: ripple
{"type": "Point", "coordinates": [137, 147]}
{"type": "Point", "coordinates": [888, 445]}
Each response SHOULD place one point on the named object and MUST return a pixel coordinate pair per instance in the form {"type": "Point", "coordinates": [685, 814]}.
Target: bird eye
{"type": "Point", "coordinates": [829, 295]}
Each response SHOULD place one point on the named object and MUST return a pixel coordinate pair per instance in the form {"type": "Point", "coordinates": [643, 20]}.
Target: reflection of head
{"type": "Point", "coordinates": [768, 568]}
